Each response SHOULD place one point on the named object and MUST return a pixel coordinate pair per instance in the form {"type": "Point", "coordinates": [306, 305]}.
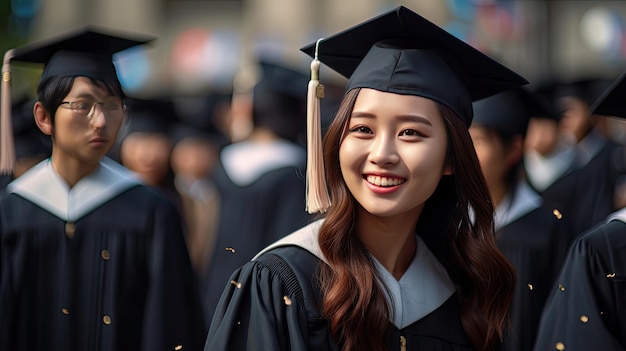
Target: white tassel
{"type": "Point", "coordinates": [317, 198]}
{"type": "Point", "coordinates": [7, 147]}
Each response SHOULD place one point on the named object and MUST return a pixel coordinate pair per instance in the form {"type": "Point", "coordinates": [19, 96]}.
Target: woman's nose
{"type": "Point", "coordinates": [384, 151]}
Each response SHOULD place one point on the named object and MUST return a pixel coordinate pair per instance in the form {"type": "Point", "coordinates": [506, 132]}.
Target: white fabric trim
{"type": "Point", "coordinates": [245, 162]}
{"type": "Point", "coordinates": [305, 237]}
{"type": "Point", "coordinates": [422, 289]}
{"type": "Point", "coordinates": [43, 186]}
{"type": "Point", "coordinates": [588, 148]}
{"type": "Point", "coordinates": [619, 215]}
{"type": "Point", "coordinates": [544, 171]}
{"type": "Point", "coordinates": [525, 201]}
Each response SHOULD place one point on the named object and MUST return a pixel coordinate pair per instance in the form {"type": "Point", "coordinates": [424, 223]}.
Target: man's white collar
{"type": "Point", "coordinates": [43, 186]}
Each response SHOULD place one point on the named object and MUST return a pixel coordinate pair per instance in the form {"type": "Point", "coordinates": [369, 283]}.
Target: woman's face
{"type": "Point", "coordinates": [394, 152]}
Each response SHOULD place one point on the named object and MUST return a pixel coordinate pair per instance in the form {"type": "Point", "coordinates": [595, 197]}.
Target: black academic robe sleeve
{"type": "Point", "coordinates": [173, 314]}
{"type": "Point", "coordinates": [264, 308]}
{"type": "Point", "coordinates": [587, 307]}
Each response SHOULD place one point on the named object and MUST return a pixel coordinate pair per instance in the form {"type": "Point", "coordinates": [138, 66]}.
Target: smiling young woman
{"type": "Point", "coordinates": [405, 256]}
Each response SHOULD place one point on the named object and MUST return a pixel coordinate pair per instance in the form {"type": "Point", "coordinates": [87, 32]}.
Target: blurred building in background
{"type": "Point", "coordinates": [204, 45]}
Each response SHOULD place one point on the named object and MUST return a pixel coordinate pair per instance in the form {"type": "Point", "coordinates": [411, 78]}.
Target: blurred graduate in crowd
{"type": "Point", "coordinates": [548, 152]}
{"type": "Point", "coordinates": [260, 179]}
{"type": "Point", "coordinates": [586, 309]}
{"type": "Point", "coordinates": [530, 231]}
{"type": "Point", "coordinates": [145, 143]}
{"type": "Point", "coordinates": [587, 190]}
{"type": "Point", "coordinates": [91, 259]}
{"type": "Point", "coordinates": [31, 145]}
{"type": "Point", "coordinates": [196, 145]}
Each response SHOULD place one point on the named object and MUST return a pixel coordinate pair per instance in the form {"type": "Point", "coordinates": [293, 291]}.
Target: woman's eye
{"type": "Point", "coordinates": [361, 129]}
{"type": "Point", "coordinates": [411, 132]}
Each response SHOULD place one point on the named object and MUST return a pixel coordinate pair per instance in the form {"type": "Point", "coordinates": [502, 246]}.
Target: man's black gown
{"type": "Point", "coordinates": [535, 241]}
{"type": "Point", "coordinates": [586, 309]}
{"type": "Point", "coordinates": [116, 277]}
{"type": "Point", "coordinates": [586, 193]}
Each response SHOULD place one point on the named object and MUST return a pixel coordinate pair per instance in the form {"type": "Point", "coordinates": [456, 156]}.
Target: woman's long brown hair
{"type": "Point", "coordinates": [353, 300]}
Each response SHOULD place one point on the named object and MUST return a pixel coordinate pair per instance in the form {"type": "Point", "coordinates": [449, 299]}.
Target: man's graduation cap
{"type": "Point", "coordinates": [279, 98]}
{"type": "Point", "coordinates": [400, 52]}
{"type": "Point", "coordinates": [508, 112]}
{"type": "Point", "coordinates": [84, 52]}
{"type": "Point", "coordinates": [612, 102]}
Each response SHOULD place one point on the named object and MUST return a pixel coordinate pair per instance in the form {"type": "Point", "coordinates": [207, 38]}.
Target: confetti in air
{"type": "Point", "coordinates": [611, 275]}
{"type": "Point", "coordinates": [530, 286]}
{"type": "Point", "coordinates": [178, 347]}
{"type": "Point", "coordinates": [287, 300]}
{"type": "Point", "coordinates": [238, 285]}
{"type": "Point", "coordinates": [561, 287]}
{"type": "Point", "coordinates": [557, 214]}
{"type": "Point", "coordinates": [559, 346]}
{"type": "Point", "coordinates": [230, 249]}
{"type": "Point", "coordinates": [584, 319]}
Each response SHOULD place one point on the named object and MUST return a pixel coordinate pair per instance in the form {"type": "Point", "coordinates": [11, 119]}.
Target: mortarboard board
{"type": "Point", "coordinates": [584, 89]}
{"type": "Point", "coordinates": [612, 102]}
{"type": "Point", "coordinates": [401, 52]}
{"type": "Point", "coordinates": [87, 51]}
{"type": "Point", "coordinates": [155, 116]}
{"type": "Point", "coordinates": [279, 99]}
{"type": "Point", "coordinates": [508, 112]}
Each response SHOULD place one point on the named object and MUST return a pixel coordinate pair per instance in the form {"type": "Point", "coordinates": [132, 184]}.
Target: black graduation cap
{"type": "Point", "coordinates": [544, 93]}
{"type": "Point", "coordinates": [279, 100]}
{"type": "Point", "coordinates": [508, 112]}
{"type": "Point", "coordinates": [150, 115]}
{"type": "Point", "coordinates": [402, 52]}
{"type": "Point", "coordinates": [86, 51]}
{"type": "Point", "coordinates": [586, 89]}
{"type": "Point", "coordinates": [612, 102]}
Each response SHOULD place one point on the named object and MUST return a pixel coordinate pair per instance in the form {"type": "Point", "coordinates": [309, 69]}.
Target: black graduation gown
{"type": "Point", "coordinates": [118, 278]}
{"type": "Point", "coordinates": [586, 309]}
{"type": "Point", "coordinates": [586, 193]}
{"type": "Point", "coordinates": [281, 286]}
{"type": "Point", "coordinates": [536, 245]}
{"type": "Point", "coordinates": [250, 218]}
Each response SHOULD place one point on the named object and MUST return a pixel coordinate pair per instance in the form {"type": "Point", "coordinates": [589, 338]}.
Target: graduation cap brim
{"type": "Point", "coordinates": [509, 112]}
{"type": "Point", "coordinates": [85, 51]}
{"type": "Point", "coordinates": [480, 75]}
{"type": "Point", "coordinates": [152, 116]}
{"type": "Point", "coordinates": [612, 102]}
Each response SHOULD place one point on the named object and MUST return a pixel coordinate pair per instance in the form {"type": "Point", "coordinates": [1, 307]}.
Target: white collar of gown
{"type": "Point", "coordinates": [423, 288]}
{"type": "Point", "coordinates": [525, 201]}
{"type": "Point", "coordinates": [43, 186]}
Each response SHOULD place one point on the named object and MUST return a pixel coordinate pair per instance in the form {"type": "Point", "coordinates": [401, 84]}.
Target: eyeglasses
{"type": "Point", "coordinates": [85, 108]}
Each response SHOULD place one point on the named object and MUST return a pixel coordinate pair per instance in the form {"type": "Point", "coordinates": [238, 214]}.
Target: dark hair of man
{"type": "Point", "coordinates": [51, 92]}
{"type": "Point", "coordinates": [354, 302]}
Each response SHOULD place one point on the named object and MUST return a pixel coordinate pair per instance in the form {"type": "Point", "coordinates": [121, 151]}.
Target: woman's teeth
{"type": "Point", "coordinates": [384, 181]}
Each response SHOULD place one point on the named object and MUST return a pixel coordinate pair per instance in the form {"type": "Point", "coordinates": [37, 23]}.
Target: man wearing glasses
{"type": "Point", "coordinates": [90, 259]}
